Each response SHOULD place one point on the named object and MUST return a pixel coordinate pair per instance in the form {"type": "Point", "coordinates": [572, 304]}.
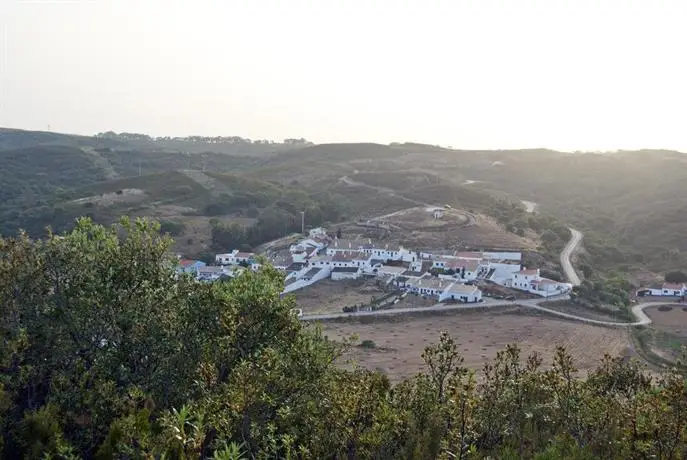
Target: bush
{"type": "Point", "coordinates": [171, 227]}
{"type": "Point", "coordinates": [676, 277]}
{"type": "Point", "coordinates": [368, 344]}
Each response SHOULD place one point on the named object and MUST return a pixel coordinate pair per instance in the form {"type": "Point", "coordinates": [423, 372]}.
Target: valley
{"type": "Point", "coordinates": [213, 197]}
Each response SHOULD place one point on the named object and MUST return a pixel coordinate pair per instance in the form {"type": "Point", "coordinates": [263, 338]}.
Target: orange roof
{"type": "Point", "coordinates": [186, 262]}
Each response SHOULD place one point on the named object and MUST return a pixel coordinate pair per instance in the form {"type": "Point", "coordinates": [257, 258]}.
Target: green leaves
{"type": "Point", "coordinates": [107, 354]}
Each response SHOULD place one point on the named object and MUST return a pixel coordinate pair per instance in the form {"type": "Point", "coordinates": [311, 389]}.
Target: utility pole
{"type": "Point", "coordinates": [303, 222]}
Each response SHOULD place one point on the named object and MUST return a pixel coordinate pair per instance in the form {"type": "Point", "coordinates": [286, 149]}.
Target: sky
{"type": "Point", "coordinates": [483, 74]}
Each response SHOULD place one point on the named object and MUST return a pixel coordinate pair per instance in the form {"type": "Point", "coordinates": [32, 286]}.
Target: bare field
{"type": "Point", "coordinates": [670, 319]}
{"type": "Point", "coordinates": [454, 230]}
{"type": "Point", "coordinates": [400, 342]}
{"type": "Point", "coordinates": [667, 335]}
{"type": "Point", "coordinates": [329, 296]}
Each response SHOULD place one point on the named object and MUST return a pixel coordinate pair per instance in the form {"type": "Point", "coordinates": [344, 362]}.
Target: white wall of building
{"type": "Point", "coordinates": [515, 256]}
{"type": "Point", "coordinates": [469, 297]}
{"type": "Point", "coordinates": [338, 276]}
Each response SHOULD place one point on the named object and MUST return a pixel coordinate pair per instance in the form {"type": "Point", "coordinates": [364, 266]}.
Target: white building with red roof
{"type": "Point", "coordinates": [523, 278]}
{"type": "Point", "coordinates": [664, 290]}
{"type": "Point", "coordinates": [530, 280]}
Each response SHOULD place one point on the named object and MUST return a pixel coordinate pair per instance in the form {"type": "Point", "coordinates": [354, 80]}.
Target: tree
{"type": "Point", "coordinates": [338, 233]}
{"type": "Point", "coordinates": [676, 276]}
{"type": "Point", "coordinates": [107, 353]}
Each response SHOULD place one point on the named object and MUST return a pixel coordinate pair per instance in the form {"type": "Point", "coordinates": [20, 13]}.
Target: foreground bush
{"type": "Point", "coordinates": [106, 354]}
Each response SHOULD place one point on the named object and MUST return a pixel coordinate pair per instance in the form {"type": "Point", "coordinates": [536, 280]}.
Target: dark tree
{"type": "Point", "coordinates": [676, 276]}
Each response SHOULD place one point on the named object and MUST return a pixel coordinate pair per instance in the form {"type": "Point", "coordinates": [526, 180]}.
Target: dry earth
{"type": "Point", "coordinates": [329, 296]}
{"type": "Point", "coordinates": [671, 319]}
{"type": "Point", "coordinates": [669, 331]}
{"type": "Point", "coordinates": [454, 230]}
{"type": "Point", "coordinates": [399, 342]}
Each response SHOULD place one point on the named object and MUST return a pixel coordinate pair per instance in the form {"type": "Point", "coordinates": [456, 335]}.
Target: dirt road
{"type": "Point", "coordinates": [575, 238]}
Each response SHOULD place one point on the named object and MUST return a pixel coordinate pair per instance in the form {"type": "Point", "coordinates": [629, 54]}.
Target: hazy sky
{"type": "Point", "coordinates": [571, 74]}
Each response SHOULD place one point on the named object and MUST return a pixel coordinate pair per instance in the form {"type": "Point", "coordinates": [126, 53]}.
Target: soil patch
{"type": "Point", "coordinates": [329, 296]}
{"type": "Point", "coordinates": [479, 335]}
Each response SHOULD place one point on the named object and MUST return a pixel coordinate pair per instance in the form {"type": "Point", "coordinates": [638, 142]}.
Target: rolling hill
{"type": "Point", "coordinates": [630, 204]}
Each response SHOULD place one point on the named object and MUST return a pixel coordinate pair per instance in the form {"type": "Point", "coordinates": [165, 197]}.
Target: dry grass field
{"type": "Point", "coordinates": [329, 296]}
{"type": "Point", "coordinates": [480, 334]}
{"type": "Point", "coordinates": [667, 335]}
{"type": "Point", "coordinates": [416, 227]}
{"type": "Point", "coordinates": [671, 319]}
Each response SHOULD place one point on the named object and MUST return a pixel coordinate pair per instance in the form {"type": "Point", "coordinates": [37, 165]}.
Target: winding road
{"type": "Point", "coordinates": [575, 238]}
{"type": "Point", "coordinates": [642, 319]}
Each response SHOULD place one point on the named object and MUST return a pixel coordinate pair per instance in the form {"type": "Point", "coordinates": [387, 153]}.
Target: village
{"type": "Point", "coordinates": [443, 276]}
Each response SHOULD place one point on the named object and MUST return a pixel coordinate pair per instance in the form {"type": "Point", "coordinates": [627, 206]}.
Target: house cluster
{"type": "Point", "coordinates": [447, 276]}
{"type": "Point", "coordinates": [226, 266]}
{"type": "Point", "coordinates": [443, 276]}
{"type": "Point", "coordinates": [664, 290]}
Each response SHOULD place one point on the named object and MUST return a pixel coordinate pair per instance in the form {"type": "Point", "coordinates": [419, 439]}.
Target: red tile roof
{"type": "Point", "coordinates": [186, 262]}
{"type": "Point", "coordinates": [528, 271]}
{"type": "Point", "coordinates": [244, 255]}
{"type": "Point", "coordinates": [673, 286]}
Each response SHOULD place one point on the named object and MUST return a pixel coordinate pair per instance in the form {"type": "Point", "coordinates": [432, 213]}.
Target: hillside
{"type": "Point", "coordinates": [203, 211]}
{"type": "Point", "coordinates": [629, 204]}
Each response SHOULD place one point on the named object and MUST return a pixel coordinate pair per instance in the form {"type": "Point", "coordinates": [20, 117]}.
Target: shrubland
{"type": "Point", "coordinates": [107, 354]}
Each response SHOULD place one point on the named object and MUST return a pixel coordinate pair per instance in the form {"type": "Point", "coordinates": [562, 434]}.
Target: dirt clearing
{"type": "Point", "coordinates": [420, 227]}
{"type": "Point", "coordinates": [329, 296]}
{"type": "Point", "coordinates": [400, 342]}
{"type": "Point", "coordinates": [671, 319]}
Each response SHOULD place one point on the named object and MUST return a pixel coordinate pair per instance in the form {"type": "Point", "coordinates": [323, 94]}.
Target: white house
{"type": "Point", "coordinates": [462, 293]}
{"type": "Point", "coordinates": [321, 261]}
{"type": "Point", "coordinates": [339, 245]}
{"type": "Point", "coordinates": [319, 231]}
{"type": "Point", "coordinates": [547, 288]}
{"type": "Point", "coordinates": [345, 273]}
{"type": "Point", "coordinates": [227, 258]}
{"type": "Point", "coordinates": [531, 281]}
{"type": "Point", "coordinates": [234, 257]}
{"type": "Point", "coordinates": [388, 252]}
{"type": "Point", "coordinates": [427, 286]}
{"type": "Point", "coordinates": [666, 289]}
{"type": "Point", "coordinates": [350, 259]}
{"type": "Point", "coordinates": [502, 270]}
{"type": "Point", "coordinates": [673, 289]}
{"type": "Point", "coordinates": [523, 278]}
{"type": "Point", "coordinates": [389, 270]}
{"type": "Point", "coordinates": [213, 273]}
